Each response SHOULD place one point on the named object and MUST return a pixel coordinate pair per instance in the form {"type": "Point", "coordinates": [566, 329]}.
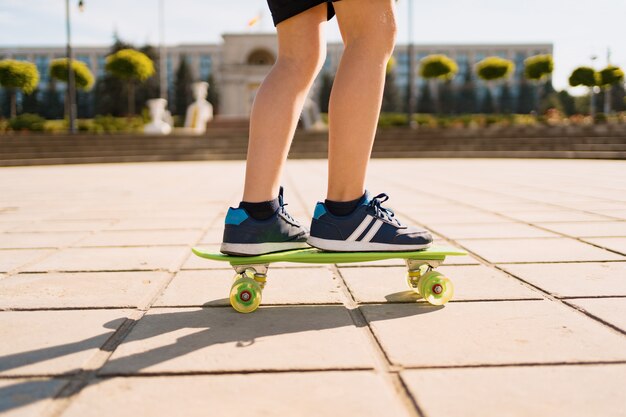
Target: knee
{"type": "Point", "coordinates": [378, 41]}
{"type": "Point", "coordinates": [305, 64]}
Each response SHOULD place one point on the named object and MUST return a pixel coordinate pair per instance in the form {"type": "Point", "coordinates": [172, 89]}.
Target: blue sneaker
{"type": "Point", "coordinates": [246, 236]}
{"type": "Point", "coordinates": [370, 227]}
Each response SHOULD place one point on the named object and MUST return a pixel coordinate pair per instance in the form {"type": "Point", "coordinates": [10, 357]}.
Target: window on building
{"type": "Point", "coordinates": [101, 71]}
{"type": "Point", "coordinates": [42, 62]}
{"type": "Point", "coordinates": [206, 63]}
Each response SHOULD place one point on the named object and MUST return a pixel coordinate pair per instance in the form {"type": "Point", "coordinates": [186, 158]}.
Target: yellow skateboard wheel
{"type": "Point", "coordinates": [435, 288]}
{"type": "Point", "coordinates": [245, 294]}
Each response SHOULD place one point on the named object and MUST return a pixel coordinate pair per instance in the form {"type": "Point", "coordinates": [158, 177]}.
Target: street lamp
{"type": "Point", "coordinates": [71, 82]}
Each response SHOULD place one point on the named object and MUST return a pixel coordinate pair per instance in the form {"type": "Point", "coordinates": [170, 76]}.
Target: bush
{"type": "Point", "coordinates": [27, 122]}
{"type": "Point", "coordinates": [110, 124]}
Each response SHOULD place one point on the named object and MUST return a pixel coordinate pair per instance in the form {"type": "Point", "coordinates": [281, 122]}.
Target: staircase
{"type": "Point", "coordinates": [230, 143]}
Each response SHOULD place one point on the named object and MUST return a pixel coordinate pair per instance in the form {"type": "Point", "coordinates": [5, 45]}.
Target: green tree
{"type": "Point", "coordinates": [324, 91]}
{"type": "Point", "coordinates": [82, 76]}
{"type": "Point", "coordinates": [30, 103]}
{"type": "Point", "coordinates": [538, 69]}
{"type": "Point", "coordinates": [607, 78]}
{"type": "Point", "coordinates": [183, 96]}
{"type": "Point", "coordinates": [506, 99]}
{"type": "Point", "coordinates": [438, 68]}
{"type": "Point", "coordinates": [391, 95]}
{"type": "Point", "coordinates": [487, 103]}
{"type": "Point", "coordinates": [425, 103]}
{"type": "Point", "coordinates": [587, 77]}
{"type": "Point", "coordinates": [51, 104]}
{"type": "Point", "coordinates": [130, 66]}
{"type": "Point", "coordinates": [18, 75]}
{"type": "Point", "coordinates": [525, 98]}
{"type": "Point", "coordinates": [493, 70]}
{"type": "Point", "coordinates": [150, 88]}
{"type": "Point", "coordinates": [110, 91]}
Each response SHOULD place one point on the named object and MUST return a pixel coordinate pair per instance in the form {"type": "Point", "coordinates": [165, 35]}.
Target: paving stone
{"type": "Point", "coordinates": [65, 226]}
{"type": "Point", "coordinates": [617, 214]}
{"type": "Point", "coordinates": [141, 238]}
{"type": "Point", "coordinates": [38, 240]}
{"type": "Point", "coordinates": [543, 216]}
{"type": "Point", "coordinates": [113, 259]}
{"type": "Point", "coordinates": [588, 229]}
{"type": "Point", "coordinates": [213, 236]}
{"type": "Point", "coordinates": [309, 394]}
{"type": "Point", "coordinates": [162, 223]}
{"type": "Point", "coordinates": [537, 250]}
{"type": "Point", "coordinates": [314, 285]}
{"type": "Point", "coordinates": [80, 290]}
{"type": "Point", "coordinates": [376, 284]}
{"type": "Point", "coordinates": [500, 230]}
{"type": "Point", "coordinates": [27, 397]}
{"type": "Point", "coordinates": [220, 339]}
{"type": "Point", "coordinates": [579, 279]}
{"type": "Point", "coordinates": [12, 259]}
{"type": "Point", "coordinates": [611, 310]}
{"type": "Point", "coordinates": [463, 217]}
{"type": "Point", "coordinates": [53, 342]}
{"type": "Point", "coordinates": [613, 243]}
{"type": "Point", "coordinates": [481, 333]}
{"type": "Point", "coordinates": [539, 391]}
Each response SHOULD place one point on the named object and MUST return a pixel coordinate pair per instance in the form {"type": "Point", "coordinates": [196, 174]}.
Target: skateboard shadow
{"type": "Point", "coordinates": [164, 334]}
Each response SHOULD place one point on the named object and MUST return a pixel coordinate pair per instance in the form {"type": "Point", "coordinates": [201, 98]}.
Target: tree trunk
{"type": "Point", "coordinates": [131, 98]}
{"type": "Point", "coordinates": [607, 99]}
{"type": "Point", "coordinates": [592, 102]}
{"type": "Point", "coordinates": [435, 86]}
{"type": "Point", "coordinates": [13, 104]}
{"type": "Point", "coordinates": [495, 98]}
{"type": "Point", "coordinates": [537, 97]}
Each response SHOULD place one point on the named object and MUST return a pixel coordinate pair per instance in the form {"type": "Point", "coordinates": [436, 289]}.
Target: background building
{"type": "Point", "coordinates": [239, 64]}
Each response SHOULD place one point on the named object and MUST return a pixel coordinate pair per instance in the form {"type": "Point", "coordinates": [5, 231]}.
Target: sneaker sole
{"type": "Point", "coordinates": [345, 246]}
{"type": "Point", "coordinates": [251, 249]}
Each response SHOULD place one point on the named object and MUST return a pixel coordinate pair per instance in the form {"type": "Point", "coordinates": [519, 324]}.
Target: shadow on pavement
{"type": "Point", "coordinates": [215, 325]}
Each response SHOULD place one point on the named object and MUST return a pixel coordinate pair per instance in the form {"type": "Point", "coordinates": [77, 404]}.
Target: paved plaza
{"type": "Point", "coordinates": [106, 312]}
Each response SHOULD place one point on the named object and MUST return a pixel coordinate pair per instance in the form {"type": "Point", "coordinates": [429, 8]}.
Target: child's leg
{"type": "Point", "coordinates": [279, 100]}
{"type": "Point", "coordinates": [368, 30]}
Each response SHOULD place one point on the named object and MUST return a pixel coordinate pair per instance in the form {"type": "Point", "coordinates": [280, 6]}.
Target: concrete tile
{"type": "Point", "coordinates": [113, 259]}
{"type": "Point", "coordinates": [617, 214]}
{"type": "Point", "coordinates": [80, 290]}
{"type": "Point", "coordinates": [482, 333]}
{"type": "Point", "coordinates": [53, 342]}
{"type": "Point", "coordinates": [611, 310]}
{"type": "Point", "coordinates": [574, 279]}
{"type": "Point", "coordinates": [539, 391]}
{"type": "Point", "coordinates": [141, 238]}
{"type": "Point", "coordinates": [220, 339]}
{"type": "Point", "coordinates": [309, 394]}
{"type": "Point", "coordinates": [537, 250]}
{"type": "Point", "coordinates": [477, 282]}
{"type": "Point", "coordinates": [543, 216]}
{"type": "Point", "coordinates": [314, 285]}
{"type": "Point", "coordinates": [463, 217]}
{"type": "Point", "coordinates": [161, 223]}
{"type": "Point", "coordinates": [499, 230]}
{"type": "Point", "coordinates": [213, 236]}
{"type": "Point", "coordinates": [38, 240]}
{"type": "Point", "coordinates": [588, 229]}
{"type": "Point", "coordinates": [27, 397]}
{"type": "Point", "coordinates": [65, 226]}
{"type": "Point", "coordinates": [11, 259]}
{"type": "Point", "coordinates": [613, 243]}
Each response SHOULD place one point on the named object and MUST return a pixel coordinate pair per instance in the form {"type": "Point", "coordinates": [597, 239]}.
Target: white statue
{"type": "Point", "coordinates": [158, 124]}
{"type": "Point", "coordinates": [311, 117]}
{"type": "Point", "coordinates": [200, 112]}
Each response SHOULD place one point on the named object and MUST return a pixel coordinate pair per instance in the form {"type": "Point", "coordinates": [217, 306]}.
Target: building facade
{"type": "Point", "coordinates": [239, 64]}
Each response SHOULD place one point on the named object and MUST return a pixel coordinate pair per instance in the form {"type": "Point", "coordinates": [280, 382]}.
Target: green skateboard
{"type": "Point", "coordinates": [251, 271]}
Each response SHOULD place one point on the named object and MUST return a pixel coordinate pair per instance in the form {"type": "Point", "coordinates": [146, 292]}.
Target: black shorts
{"type": "Point", "coordinates": [284, 9]}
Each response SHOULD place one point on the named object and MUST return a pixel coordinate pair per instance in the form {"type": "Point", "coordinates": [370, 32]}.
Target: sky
{"type": "Point", "coordinates": [578, 29]}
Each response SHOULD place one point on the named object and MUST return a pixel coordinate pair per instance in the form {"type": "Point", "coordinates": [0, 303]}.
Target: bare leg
{"type": "Point", "coordinates": [368, 30]}
{"type": "Point", "coordinates": [279, 101]}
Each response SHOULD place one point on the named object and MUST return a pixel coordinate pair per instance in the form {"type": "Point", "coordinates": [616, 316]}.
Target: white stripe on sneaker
{"type": "Point", "coordinates": [360, 228]}
{"type": "Point", "coordinates": [372, 231]}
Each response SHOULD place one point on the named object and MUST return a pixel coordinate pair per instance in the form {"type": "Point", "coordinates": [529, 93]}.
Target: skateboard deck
{"type": "Point", "coordinates": [251, 271]}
